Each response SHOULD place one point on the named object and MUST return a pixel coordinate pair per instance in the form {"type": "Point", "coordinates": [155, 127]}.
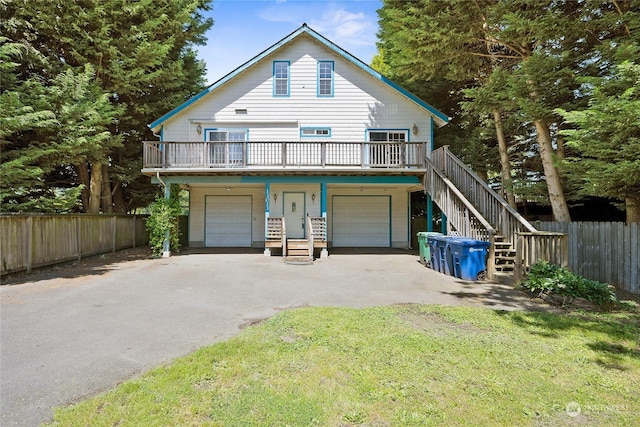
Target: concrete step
{"type": "Point", "coordinates": [298, 259]}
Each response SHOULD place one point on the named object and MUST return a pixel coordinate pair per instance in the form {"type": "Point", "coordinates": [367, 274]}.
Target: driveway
{"type": "Point", "coordinates": [68, 336]}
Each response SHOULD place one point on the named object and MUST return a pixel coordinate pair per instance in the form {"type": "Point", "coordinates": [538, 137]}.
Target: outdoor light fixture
{"type": "Point", "coordinates": [414, 129]}
{"type": "Point", "coordinates": [275, 197]}
{"type": "Point", "coordinates": [199, 130]}
{"type": "Point", "coordinates": [313, 197]}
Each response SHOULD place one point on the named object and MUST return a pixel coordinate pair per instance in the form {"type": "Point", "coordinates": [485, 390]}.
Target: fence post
{"type": "Point", "coordinates": [78, 238]}
{"type": "Point", "coordinates": [29, 245]}
{"type": "Point", "coordinates": [113, 232]}
{"type": "Point", "coordinates": [135, 225]}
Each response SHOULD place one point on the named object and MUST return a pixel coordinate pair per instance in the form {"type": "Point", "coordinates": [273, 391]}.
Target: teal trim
{"type": "Point", "coordinates": [323, 199]}
{"type": "Point", "coordinates": [332, 94]}
{"type": "Point", "coordinates": [429, 212]}
{"type": "Point", "coordinates": [273, 81]}
{"type": "Point", "coordinates": [432, 140]}
{"type": "Point", "coordinates": [443, 227]}
{"type": "Point", "coordinates": [304, 29]}
{"type": "Point", "coordinates": [295, 179]}
{"type": "Point", "coordinates": [328, 135]}
{"type": "Point", "coordinates": [161, 133]}
{"type": "Point", "coordinates": [267, 197]}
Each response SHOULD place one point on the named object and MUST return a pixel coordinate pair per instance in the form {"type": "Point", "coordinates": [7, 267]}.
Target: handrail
{"type": "Point", "coordinates": [461, 214]}
{"type": "Point", "coordinates": [261, 154]}
{"type": "Point", "coordinates": [541, 245]}
{"type": "Point", "coordinates": [284, 239]}
{"type": "Point", "coordinates": [443, 162]}
{"type": "Point", "coordinates": [310, 236]}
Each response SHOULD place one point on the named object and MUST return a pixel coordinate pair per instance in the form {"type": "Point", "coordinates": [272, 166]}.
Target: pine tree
{"type": "Point", "coordinates": [606, 138]}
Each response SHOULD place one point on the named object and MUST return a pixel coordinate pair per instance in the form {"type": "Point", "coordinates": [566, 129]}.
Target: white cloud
{"type": "Point", "coordinates": [346, 28]}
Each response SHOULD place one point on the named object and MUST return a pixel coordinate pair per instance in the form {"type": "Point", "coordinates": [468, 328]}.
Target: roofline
{"type": "Point", "coordinates": [304, 29]}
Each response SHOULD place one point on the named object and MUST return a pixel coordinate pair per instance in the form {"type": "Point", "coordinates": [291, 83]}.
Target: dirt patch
{"type": "Point", "coordinates": [84, 267]}
{"type": "Point", "coordinates": [434, 324]}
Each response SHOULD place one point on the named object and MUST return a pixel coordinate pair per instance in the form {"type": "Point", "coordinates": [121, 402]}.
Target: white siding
{"type": "Point", "coordinates": [360, 102]}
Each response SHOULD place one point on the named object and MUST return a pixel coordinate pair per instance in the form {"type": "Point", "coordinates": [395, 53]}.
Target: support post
{"type": "Point", "coordinates": [267, 204]}
{"type": "Point", "coordinates": [443, 229]}
{"type": "Point", "coordinates": [429, 212]}
{"type": "Point", "coordinates": [324, 253]}
{"type": "Point", "coordinates": [166, 246]}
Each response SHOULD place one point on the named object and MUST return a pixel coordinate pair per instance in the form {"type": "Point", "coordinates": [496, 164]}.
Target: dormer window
{"type": "Point", "coordinates": [281, 78]}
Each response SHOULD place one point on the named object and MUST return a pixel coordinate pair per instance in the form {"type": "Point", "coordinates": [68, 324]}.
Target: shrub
{"type": "Point", "coordinates": [163, 218]}
{"type": "Point", "coordinates": [547, 279]}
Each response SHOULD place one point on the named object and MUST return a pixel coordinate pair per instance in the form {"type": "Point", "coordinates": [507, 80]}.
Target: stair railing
{"type": "Point", "coordinates": [541, 245]}
{"type": "Point", "coordinates": [507, 221]}
{"type": "Point", "coordinates": [284, 239]}
{"type": "Point", "coordinates": [310, 235]}
{"type": "Point", "coordinates": [461, 214]}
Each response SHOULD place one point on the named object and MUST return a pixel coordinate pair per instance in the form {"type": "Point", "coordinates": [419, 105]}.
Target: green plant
{"type": "Point", "coordinates": [546, 279]}
{"type": "Point", "coordinates": [163, 219]}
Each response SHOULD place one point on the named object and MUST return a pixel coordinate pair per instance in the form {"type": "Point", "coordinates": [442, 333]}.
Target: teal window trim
{"type": "Point", "coordinates": [322, 78]}
{"type": "Point", "coordinates": [279, 77]}
{"type": "Point", "coordinates": [315, 132]}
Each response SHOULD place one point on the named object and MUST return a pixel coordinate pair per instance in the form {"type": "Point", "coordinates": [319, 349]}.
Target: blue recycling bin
{"type": "Point", "coordinates": [425, 250]}
{"type": "Point", "coordinates": [437, 247]}
{"type": "Point", "coordinates": [467, 257]}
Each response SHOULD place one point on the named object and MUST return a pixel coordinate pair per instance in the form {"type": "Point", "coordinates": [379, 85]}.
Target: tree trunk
{"type": "Point", "coordinates": [632, 206]}
{"type": "Point", "coordinates": [561, 151]}
{"type": "Point", "coordinates": [83, 176]}
{"type": "Point", "coordinates": [95, 188]}
{"type": "Point", "coordinates": [105, 200]}
{"type": "Point", "coordinates": [554, 186]}
{"type": "Point", "coordinates": [119, 204]}
{"type": "Point", "coordinates": [505, 165]}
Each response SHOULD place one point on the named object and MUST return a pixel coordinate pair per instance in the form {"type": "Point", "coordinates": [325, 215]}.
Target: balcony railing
{"type": "Point", "coordinates": [224, 155]}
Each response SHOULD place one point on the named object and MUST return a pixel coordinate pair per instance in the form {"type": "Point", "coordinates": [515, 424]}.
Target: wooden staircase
{"type": "Point", "coordinates": [473, 209]}
{"type": "Point", "coordinates": [297, 251]}
{"type": "Point", "coordinates": [505, 255]}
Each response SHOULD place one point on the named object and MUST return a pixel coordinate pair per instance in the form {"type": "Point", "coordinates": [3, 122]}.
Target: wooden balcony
{"type": "Point", "coordinates": [271, 156]}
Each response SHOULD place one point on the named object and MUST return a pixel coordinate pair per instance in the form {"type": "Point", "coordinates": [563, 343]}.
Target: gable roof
{"type": "Point", "coordinates": [439, 117]}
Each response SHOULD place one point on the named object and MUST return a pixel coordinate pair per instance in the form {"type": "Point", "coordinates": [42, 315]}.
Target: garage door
{"type": "Point", "coordinates": [361, 221]}
{"type": "Point", "coordinates": [228, 221]}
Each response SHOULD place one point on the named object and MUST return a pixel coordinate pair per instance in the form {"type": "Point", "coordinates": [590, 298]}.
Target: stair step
{"type": "Point", "coordinates": [298, 259]}
{"type": "Point", "coordinates": [297, 244]}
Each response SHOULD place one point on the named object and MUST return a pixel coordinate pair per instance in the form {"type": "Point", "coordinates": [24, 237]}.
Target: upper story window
{"type": "Point", "coordinates": [317, 132]}
{"type": "Point", "coordinates": [228, 145]}
{"type": "Point", "coordinates": [281, 78]}
{"type": "Point", "coordinates": [388, 136]}
{"type": "Point", "coordinates": [325, 78]}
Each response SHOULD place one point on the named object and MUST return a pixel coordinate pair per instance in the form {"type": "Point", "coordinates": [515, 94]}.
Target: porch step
{"type": "Point", "coordinates": [298, 252]}
{"type": "Point", "coordinates": [505, 255]}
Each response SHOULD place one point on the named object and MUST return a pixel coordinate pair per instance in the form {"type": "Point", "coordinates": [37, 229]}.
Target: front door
{"type": "Point", "coordinates": [294, 215]}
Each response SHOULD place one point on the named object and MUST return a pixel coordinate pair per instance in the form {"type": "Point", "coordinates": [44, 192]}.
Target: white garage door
{"type": "Point", "coordinates": [361, 221]}
{"type": "Point", "coordinates": [228, 221]}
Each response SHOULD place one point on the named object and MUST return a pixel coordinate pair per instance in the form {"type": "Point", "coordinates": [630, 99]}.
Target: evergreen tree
{"type": "Point", "coordinates": [142, 59]}
{"type": "Point", "coordinates": [606, 137]}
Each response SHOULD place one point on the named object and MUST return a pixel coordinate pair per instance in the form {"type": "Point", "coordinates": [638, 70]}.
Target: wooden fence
{"type": "Point", "coordinates": [31, 241]}
{"type": "Point", "coordinates": [605, 251]}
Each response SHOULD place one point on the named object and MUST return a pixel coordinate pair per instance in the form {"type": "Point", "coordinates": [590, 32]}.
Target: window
{"type": "Point", "coordinates": [385, 147]}
{"type": "Point", "coordinates": [310, 132]}
{"type": "Point", "coordinates": [325, 78]}
{"type": "Point", "coordinates": [281, 78]}
{"type": "Point", "coordinates": [227, 147]}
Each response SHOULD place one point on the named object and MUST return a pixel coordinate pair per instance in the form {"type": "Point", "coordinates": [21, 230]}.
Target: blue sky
{"type": "Point", "coordinates": [244, 28]}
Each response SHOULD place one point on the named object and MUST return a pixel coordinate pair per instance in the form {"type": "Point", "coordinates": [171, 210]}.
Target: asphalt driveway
{"type": "Point", "coordinates": [65, 337]}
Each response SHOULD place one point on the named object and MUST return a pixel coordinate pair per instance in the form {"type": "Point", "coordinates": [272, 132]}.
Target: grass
{"type": "Point", "coordinates": [406, 365]}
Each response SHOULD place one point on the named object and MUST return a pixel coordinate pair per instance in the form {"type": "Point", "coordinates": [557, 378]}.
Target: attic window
{"type": "Point", "coordinates": [281, 78]}
{"type": "Point", "coordinates": [241, 111]}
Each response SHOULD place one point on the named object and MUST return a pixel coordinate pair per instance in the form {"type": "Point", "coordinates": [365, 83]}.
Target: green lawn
{"type": "Point", "coordinates": [404, 365]}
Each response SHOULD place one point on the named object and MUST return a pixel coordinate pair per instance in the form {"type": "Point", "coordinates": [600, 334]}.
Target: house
{"type": "Point", "coordinates": [305, 148]}
{"type": "Point", "coordinates": [303, 129]}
